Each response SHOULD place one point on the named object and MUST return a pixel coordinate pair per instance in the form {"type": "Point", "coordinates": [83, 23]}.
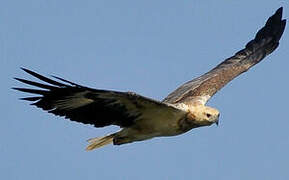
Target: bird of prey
{"type": "Point", "coordinates": [141, 118]}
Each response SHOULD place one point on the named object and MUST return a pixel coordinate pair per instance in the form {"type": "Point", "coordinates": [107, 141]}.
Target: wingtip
{"type": "Point", "coordinates": [43, 78]}
{"type": "Point", "coordinates": [18, 79]}
{"type": "Point", "coordinates": [276, 17]}
{"type": "Point", "coordinates": [278, 14]}
{"type": "Point", "coordinates": [17, 89]}
{"type": "Point", "coordinates": [274, 26]}
{"type": "Point", "coordinates": [25, 69]}
{"type": "Point", "coordinates": [30, 98]}
{"type": "Point", "coordinates": [279, 10]}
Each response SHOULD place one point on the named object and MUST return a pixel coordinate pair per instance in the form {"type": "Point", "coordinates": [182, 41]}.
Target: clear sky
{"type": "Point", "coordinates": [149, 47]}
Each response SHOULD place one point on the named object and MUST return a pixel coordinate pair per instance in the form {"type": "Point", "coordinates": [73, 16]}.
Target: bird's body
{"type": "Point", "coordinates": [164, 122]}
{"type": "Point", "coordinates": [161, 122]}
{"type": "Point", "coordinates": [143, 118]}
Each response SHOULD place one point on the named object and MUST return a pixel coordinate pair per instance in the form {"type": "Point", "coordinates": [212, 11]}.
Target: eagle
{"type": "Point", "coordinates": [142, 118]}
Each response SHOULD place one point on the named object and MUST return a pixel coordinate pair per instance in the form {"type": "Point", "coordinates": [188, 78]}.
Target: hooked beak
{"type": "Point", "coordinates": [217, 122]}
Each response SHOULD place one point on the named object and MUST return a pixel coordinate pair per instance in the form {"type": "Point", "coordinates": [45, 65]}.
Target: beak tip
{"type": "Point", "coordinates": [217, 122]}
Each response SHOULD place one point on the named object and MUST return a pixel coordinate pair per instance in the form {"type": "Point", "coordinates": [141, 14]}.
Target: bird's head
{"type": "Point", "coordinates": [204, 115]}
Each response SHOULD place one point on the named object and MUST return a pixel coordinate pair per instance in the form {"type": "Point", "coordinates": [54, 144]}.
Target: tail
{"type": "Point", "coordinates": [99, 142]}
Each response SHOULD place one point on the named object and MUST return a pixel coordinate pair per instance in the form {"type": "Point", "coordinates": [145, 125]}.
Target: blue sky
{"type": "Point", "coordinates": [149, 47]}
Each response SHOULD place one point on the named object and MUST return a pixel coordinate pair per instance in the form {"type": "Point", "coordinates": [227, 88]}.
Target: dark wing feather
{"type": "Point", "coordinates": [205, 86]}
{"type": "Point", "coordinates": [89, 106]}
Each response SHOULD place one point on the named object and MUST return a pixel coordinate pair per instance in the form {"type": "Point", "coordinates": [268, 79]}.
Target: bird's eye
{"type": "Point", "coordinates": [208, 115]}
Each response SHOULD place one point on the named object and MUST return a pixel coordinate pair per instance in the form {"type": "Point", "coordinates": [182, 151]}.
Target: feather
{"type": "Point", "coordinates": [99, 142]}
{"type": "Point", "coordinates": [205, 86]}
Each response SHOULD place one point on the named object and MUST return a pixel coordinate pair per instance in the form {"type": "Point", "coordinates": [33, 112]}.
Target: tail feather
{"type": "Point", "coordinates": [99, 142]}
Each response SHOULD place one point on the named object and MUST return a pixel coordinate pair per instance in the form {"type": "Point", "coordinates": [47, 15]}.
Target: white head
{"type": "Point", "coordinates": [204, 115]}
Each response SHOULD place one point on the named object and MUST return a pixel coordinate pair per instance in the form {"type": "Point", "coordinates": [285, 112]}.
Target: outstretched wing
{"type": "Point", "coordinates": [205, 86]}
{"type": "Point", "coordinates": [89, 106]}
